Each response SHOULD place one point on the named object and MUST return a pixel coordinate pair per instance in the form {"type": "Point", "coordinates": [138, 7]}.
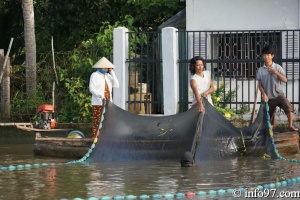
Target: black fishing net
{"type": "Point", "coordinates": [219, 138]}
{"type": "Point", "coordinates": [257, 136]}
{"type": "Point", "coordinates": [125, 136]}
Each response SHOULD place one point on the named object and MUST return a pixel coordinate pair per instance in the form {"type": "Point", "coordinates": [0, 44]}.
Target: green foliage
{"type": "Point", "coordinates": [220, 96]}
{"type": "Point", "coordinates": [76, 106]}
{"type": "Point", "coordinates": [25, 108]}
{"type": "Point", "coordinates": [243, 109]}
{"type": "Point", "coordinates": [80, 62]}
{"type": "Point", "coordinates": [82, 33]}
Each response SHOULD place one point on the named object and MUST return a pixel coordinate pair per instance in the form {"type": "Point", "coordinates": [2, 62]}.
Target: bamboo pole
{"type": "Point", "coordinates": [54, 67]}
{"type": "Point", "coordinates": [6, 57]}
{"type": "Point", "coordinates": [5, 95]}
{"type": "Point", "coordinates": [53, 91]}
{"type": "Point", "coordinates": [254, 105]}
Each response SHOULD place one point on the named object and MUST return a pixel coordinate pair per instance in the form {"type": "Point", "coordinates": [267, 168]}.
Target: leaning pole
{"type": "Point", "coordinates": [5, 84]}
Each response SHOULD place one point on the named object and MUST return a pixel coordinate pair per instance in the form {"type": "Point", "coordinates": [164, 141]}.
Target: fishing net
{"type": "Point", "coordinates": [125, 136]}
{"type": "Point", "coordinates": [219, 138]}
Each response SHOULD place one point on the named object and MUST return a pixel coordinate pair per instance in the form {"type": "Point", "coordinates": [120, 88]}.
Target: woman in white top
{"type": "Point", "coordinates": [101, 83]}
{"type": "Point", "coordinates": [201, 82]}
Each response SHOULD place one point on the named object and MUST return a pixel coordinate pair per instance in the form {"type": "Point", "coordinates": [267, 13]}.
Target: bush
{"type": "Point", "coordinates": [220, 96]}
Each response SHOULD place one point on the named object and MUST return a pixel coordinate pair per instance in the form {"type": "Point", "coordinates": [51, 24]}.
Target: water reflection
{"type": "Point", "coordinates": [137, 178]}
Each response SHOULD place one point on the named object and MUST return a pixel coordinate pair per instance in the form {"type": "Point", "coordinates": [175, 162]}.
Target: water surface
{"type": "Point", "coordinates": [86, 180]}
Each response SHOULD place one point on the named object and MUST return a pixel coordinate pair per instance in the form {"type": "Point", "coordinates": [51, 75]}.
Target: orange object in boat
{"type": "Point", "coordinates": [47, 117]}
{"type": "Point", "coordinates": [53, 123]}
{"type": "Point", "coordinates": [46, 107]}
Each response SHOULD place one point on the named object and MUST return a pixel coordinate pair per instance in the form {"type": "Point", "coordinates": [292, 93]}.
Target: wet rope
{"type": "Point", "coordinates": [230, 191]}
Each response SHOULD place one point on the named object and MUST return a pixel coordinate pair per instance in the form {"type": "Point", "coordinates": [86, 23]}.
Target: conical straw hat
{"type": "Point", "coordinates": [103, 63]}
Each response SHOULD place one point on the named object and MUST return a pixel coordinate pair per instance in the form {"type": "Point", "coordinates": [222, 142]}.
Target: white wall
{"type": "Point", "coordinates": [242, 14]}
{"type": "Point", "coordinates": [208, 15]}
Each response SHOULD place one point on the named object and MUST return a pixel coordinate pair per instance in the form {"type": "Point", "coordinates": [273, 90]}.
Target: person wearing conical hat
{"type": "Point", "coordinates": [101, 83]}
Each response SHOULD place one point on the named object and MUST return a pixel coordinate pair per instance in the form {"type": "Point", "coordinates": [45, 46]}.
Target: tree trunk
{"type": "Point", "coordinates": [30, 46]}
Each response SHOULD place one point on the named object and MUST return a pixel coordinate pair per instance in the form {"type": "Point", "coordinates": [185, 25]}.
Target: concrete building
{"type": "Point", "coordinates": [232, 31]}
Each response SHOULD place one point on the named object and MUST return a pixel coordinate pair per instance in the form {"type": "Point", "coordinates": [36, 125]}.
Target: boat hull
{"type": "Point", "coordinates": [287, 143]}
{"type": "Point", "coordinates": [62, 147]}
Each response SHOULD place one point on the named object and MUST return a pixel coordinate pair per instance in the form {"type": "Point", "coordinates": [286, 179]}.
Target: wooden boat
{"type": "Point", "coordinates": [287, 143]}
{"type": "Point", "coordinates": [61, 146]}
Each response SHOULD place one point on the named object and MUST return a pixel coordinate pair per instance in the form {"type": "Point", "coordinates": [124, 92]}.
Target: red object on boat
{"type": "Point", "coordinates": [46, 107]}
{"type": "Point", "coordinates": [47, 117]}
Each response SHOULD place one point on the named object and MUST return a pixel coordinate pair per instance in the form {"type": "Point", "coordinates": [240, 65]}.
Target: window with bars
{"type": "Point", "coordinates": [290, 53]}
{"type": "Point", "coordinates": [238, 55]}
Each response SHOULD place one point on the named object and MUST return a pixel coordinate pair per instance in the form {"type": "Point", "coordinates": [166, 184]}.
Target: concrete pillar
{"type": "Point", "coordinates": [170, 70]}
{"type": "Point", "coordinates": [298, 14]}
{"type": "Point", "coordinates": [120, 52]}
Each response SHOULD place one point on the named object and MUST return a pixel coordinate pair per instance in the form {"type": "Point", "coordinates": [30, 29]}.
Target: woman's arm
{"type": "Point", "coordinates": [197, 95]}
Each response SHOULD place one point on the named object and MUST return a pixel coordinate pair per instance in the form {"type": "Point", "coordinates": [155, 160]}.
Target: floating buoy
{"type": "Point", "coordinates": [283, 183]}
{"type": "Point", "coordinates": [130, 196]}
{"type": "Point", "coordinates": [212, 192]}
{"type": "Point", "coordinates": [105, 198]}
{"type": "Point", "coordinates": [118, 197]}
{"type": "Point", "coordinates": [229, 190]}
{"type": "Point", "coordinates": [278, 184]}
{"type": "Point", "coordinates": [272, 185]}
{"type": "Point", "coordinates": [260, 187]}
{"type": "Point", "coordinates": [201, 193]}
{"type": "Point", "coordinates": [156, 196]}
{"type": "Point", "coordinates": [92, 198]}
{"type": "Point", "coordinates": [190, 194]}
{"type": "Point", "coordinates": [20, 166]}
{"type": "Point", "coordinates": [144, 196]}
{"type": "Point", "coordinates": [11, 167]}
{"type": "Point", "coordinates": [221, 191]}
{"type": "Point", "coordinates": [169, 196]}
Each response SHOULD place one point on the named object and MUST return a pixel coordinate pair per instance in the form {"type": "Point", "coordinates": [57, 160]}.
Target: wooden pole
{"type": "Point", "coordinates": [53, 91]}
{"type": "Point", "coordinates": [6, 57]}
{"type": "Point", "coordinates": [54, 67]}
{"type": "Point", "coordinates": [254, 105]}
{"type": "Point", "coordinates": [6, 99]}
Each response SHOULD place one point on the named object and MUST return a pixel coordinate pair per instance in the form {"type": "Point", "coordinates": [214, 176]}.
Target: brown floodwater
{"type": "Point", "coordinates": [58, 180]}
